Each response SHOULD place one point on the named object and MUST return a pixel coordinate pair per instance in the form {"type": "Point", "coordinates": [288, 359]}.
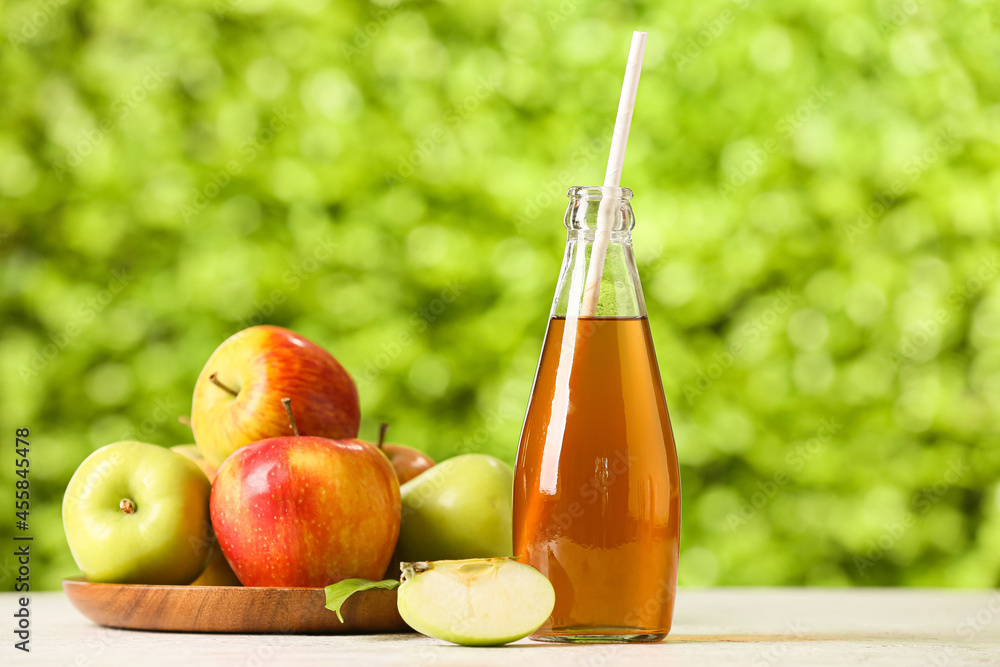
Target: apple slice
{"type": "Point", "coordinates": [474, 602]}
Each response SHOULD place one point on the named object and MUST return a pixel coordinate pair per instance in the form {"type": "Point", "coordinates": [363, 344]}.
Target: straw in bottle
{"type": "Point", "coordinates": [612, 177]}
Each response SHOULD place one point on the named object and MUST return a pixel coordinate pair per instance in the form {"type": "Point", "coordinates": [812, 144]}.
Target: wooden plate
{"type": "Point", "coordinates": [232, 609]}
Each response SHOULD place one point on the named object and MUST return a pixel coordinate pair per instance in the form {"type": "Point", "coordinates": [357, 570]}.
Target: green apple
{"type": "Point", "coordinates": [460, 508]}
{"type": "Point", "coordinates": [139, 514]}
{"type": "Point", "coordinates": [476, 602]}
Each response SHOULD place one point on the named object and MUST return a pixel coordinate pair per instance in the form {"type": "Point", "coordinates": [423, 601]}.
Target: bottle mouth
{"type": "Point", "coordinates": [588, 201]}
{"type": "Point", "coordinates": [598, 192]}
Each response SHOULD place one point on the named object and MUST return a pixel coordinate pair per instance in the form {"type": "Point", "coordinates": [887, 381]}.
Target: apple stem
{"type": "Point", "coordinates": [126, 506]}
{"type": "Point", "coordinates": [410, 570]}
{"type": "Point", "coordinates": [382, 428]}
{"type": "Point", "coordinates": [214, 377]}
{"type": "Point", "coordinates": [287, 402]}
{"type": "Point", "coordinates": [184, 420]}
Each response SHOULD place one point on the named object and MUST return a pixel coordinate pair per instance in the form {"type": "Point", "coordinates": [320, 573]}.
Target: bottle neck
{"type": "Point", "coordinates": [618, 291]}
{"type": "Point", "coordinates": [589, 236]}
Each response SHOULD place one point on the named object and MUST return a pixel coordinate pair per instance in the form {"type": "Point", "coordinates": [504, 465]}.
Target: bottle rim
{"type": "Point", "coordinates": [598, 192]}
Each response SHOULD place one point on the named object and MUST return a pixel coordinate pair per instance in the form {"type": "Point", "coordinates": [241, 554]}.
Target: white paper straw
{"type": "Point", "coordinates": [612, 177]}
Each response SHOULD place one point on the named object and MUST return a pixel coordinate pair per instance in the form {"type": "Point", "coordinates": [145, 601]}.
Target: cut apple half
{"type": "Point", "coordinates": [475, 602]}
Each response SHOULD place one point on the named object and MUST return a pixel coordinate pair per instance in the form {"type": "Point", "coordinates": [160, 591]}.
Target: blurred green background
{"type": "Point", "coordinates": [817, 204]}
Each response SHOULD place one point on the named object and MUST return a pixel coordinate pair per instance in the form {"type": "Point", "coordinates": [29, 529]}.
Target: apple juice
{"type": "Point", "coordinates": [597, 487]}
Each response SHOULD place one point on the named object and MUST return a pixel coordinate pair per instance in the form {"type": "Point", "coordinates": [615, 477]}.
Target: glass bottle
{"type": "Point", "coordinates": [596, 486]}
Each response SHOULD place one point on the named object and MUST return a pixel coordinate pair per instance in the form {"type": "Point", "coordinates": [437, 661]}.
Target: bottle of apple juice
{"type": "Point", "coordinates": [597, 488]}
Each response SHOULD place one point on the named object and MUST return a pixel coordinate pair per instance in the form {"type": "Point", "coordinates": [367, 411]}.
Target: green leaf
{"type": "Point", "coordinates": [337, 594]}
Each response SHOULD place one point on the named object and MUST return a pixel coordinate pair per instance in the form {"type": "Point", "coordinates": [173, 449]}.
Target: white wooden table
{"type": "Point", "coordinates": [747, 626]}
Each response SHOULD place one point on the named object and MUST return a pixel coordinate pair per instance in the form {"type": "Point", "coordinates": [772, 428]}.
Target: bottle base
{"type": "Point", "coordinates": [601, 636]}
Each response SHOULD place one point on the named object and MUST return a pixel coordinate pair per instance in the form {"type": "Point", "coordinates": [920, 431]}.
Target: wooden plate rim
{"type": "Point", "coordinates": [82, 581]}
{"type": "Point", "coordinates": [364, 614]}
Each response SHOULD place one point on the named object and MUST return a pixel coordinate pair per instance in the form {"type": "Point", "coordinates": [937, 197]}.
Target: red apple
{"type": "Point", "coordinates": [306, 511]}
{"type": "Point", "coordinates": [237, 396]}
{"type": "Point", "coordinates": [406, 461]}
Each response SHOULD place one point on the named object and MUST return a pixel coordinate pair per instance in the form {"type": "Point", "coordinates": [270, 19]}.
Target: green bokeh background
{"type": "Point", "coordinates": [389, 181]}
